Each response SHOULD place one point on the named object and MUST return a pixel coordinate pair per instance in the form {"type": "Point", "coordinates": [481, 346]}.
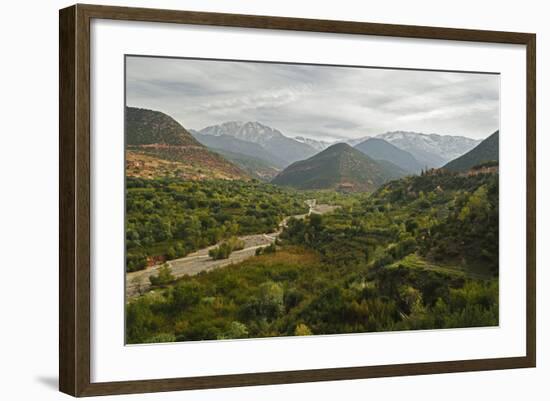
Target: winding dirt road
{"type": "Point", "coordinates": [199, 261]}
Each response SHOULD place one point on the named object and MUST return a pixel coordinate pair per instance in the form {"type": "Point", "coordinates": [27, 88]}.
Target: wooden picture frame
{"type": "Point", "coordinates": [74, 203]}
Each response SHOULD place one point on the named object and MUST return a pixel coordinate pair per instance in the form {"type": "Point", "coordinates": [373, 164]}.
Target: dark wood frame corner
{"type": "Point", "coordinates": [74, 199]}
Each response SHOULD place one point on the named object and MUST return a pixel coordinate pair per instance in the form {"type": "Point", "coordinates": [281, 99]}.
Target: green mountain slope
{"type": "Point", "coordinates": [158, 146]}
{"type": "Point", "coordinates": [147, 127]}
{"type": "Point", "coordinates": [338, 167]}
{"type": "Point", "coordinates": [379, 149]}
{"type": "Point", "coordinates": [486, 151]}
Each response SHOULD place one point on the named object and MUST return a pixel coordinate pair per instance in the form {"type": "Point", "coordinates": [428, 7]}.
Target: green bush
{"type": "Point", "coordinates": [163, 277]}
{"type": "Point", "coordinates": [236, 330]}
{"type": "Point", "coordinates": [270, 249]}
{"type": "Point", "coordinates": [302, 330]}
{"type": "Point", "coordinates": [135, 262]}
{"type": "Point", "coordinates": [226, 248]}
{"type": "Point", "coordinates": [186, 294]}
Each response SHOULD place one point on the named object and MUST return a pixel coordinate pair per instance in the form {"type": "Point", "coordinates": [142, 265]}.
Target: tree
{"type": "Point", "coordinates": [135, 261]}
{"type": "Point", "coordinates": [316, 221]}
{"type": "Point", "coordinates": [186, 294]}
{"type": "Point", "coordinates": [268, 305]}
{"type": "Point", "coordinates": [236, 330]}
{"type": "Point", "coordinates": [271, 248]}
{"type": "Point", "coordinates": [302, 330]}
{"type": "Point", "coordinates": [225, 248]}
{"type": "Point", "coordinates": [411, 225]}
{"type": "Point", "coordinates": [163, 277]}
{"type": "Point", "coordinates": [171, 253]}
{"type": "Point", "coordinates": [411, 299]}
{"type": "Point", "coordinates": [220, 252]}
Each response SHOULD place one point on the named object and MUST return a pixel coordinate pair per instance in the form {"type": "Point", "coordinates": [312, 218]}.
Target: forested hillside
{"type": "Point", "coordinates": [147, 127]}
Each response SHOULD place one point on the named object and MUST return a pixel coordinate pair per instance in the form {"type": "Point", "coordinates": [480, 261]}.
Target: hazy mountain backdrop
{"type": "Point", "coordinates": [431, 150]}
{"type": "Point", "coordinates": [272, 140]}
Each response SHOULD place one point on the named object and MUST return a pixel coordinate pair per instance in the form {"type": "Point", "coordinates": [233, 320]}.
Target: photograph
{"type": "Point", "coordinates": [276, 199]}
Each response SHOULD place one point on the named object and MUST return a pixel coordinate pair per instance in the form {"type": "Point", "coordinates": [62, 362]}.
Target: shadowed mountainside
{"type": "Point", "coordinates": [339, 167]}
{"type": "Point", "coordinates": [379, 149]}
{"type": "Point", "coordinates": [486, 151]}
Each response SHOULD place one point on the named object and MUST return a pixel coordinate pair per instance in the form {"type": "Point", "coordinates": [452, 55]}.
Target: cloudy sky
{"type": "Point", "coordinates": [321, 102]}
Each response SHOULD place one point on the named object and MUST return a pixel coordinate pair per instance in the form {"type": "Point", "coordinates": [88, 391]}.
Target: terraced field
{"type": "Point", "coordinates": [414, 261]}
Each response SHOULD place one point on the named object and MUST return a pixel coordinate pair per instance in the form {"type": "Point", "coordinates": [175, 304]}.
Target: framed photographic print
{"type": "Point", "coordinates": [250, 200]}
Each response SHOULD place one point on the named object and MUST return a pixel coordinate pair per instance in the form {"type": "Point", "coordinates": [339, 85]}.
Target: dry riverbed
{"type": "Point", "coordinates": [199, 261]}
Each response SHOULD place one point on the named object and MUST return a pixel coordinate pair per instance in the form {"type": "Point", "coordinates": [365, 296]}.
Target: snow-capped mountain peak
{"type": "Point", "coordinates": [251, 131]}
{"type": "Point", "coordinates": [271, 139]}
{"type": "Point", "coordinates": [314, 143]}
{"type": "Point", "coordinates": [432, 150]}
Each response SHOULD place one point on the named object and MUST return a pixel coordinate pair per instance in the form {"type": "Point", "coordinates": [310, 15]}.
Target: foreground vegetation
{"type": "Point", "coordinates": [419, 253]}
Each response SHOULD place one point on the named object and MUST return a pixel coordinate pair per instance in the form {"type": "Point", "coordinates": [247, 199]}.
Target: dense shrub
{"type": "Point", "coordinates": [224, 249]}
{"type": "Point", "coordinates": [163, 277]}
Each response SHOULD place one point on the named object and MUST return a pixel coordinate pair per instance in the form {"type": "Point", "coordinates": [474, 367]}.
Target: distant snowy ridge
{"type": "Point", "coordinates": [314, 143]}
{"type": "Point", "coordinates": [246, 131]}
{"type": "Point", "coordinates": [432, 150]}
{"type": "Point", "coordinates": [272, 140]}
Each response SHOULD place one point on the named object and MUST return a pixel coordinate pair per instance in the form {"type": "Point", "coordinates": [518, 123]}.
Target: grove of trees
{"type": "Point", "coordinates": [167, 218]}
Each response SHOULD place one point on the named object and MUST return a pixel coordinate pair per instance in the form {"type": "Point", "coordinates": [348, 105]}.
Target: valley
{"type": "Point", "coordinates": [199, 261]}
{"type": "Point", "coordinates": [234, 231]}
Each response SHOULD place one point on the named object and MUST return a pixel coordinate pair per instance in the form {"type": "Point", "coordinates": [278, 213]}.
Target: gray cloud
{"type": "Point", "coordinates": [321, 102]}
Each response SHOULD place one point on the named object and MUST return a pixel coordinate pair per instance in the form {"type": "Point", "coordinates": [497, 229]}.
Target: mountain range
{"type": "Point", "coordinates": [157, 145]}
{"type": "Point", "coordinates": [486, 151]}
{"type": "Point", "coordinates": [339, 167]}
{"type": "Point", "coordinates": [273, 141]}
{"type": "Point", "coordinates": [430, 150]}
